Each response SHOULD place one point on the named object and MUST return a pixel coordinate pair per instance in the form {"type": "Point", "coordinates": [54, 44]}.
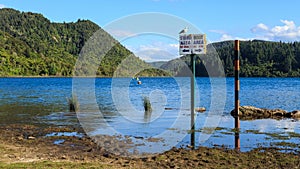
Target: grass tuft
{"type": "Point", "coordinates": [147, 104]}
{"type": "Point", "coordinates": [73, 103]}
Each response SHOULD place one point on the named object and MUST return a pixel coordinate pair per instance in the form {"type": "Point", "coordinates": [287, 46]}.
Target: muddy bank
{"type": "Point", "coordinates": [251, 112]}
{"type": "Point", "coordinates": [28, 144]}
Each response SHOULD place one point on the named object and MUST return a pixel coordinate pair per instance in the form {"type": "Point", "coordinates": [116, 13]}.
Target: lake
{"type": "Point", "coordinates": [115, 107]}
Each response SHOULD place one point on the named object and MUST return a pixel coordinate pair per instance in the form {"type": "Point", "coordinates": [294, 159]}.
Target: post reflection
{"type": "Point", "coordinates": [147, 116]}
{"type": "Point", "coordinates": [193, 137]}
{"type": "Point", "coordinates": [237, 143]}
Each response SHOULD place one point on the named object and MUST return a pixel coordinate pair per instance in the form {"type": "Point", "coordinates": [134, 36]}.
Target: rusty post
{"type": "Point", "coordinates": [237, 89]}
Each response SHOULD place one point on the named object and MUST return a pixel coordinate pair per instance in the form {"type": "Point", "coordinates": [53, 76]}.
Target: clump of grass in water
{"type": "Point", "coordinates": [147, 104]}
{"type": "Point", "coordinates": [148, 109]}
{"type": "Point", "coordinates": [73, 103]}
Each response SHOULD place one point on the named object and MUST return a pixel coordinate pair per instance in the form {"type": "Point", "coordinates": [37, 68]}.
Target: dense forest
{"type": "Point", "coordinates": [262, 58]}
{"type": "Point", "coordinates": [31, 45]}
{"type": "Point", "coordinates": [257, 59]}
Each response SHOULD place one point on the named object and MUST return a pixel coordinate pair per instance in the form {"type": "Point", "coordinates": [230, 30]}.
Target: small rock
{"type": "Point", "coordinates": [137, 137]}
{"type": "Point", "coordinates": [200, 109]}
{"type": "Point", "coordinates": [296, 114]}
{"type": "Point", "coordinates": [63, 157]}
{"type": "Point", "coordinates": [31, 138]}
{"type": "Point", "coordinates": [106, 155]}
{"type": "Point", "coordinates": [20, 138]}
{"type": "Point", "coordinates": [289, 115]}
{"type": "Point", "coordinates": [250, 112]}
{"type": "Point", "coordinates": [190, 146]}
{"type": "Point", "coordinates": [146, 159]}
{"type": "Point", "coordinates": [11, 156]}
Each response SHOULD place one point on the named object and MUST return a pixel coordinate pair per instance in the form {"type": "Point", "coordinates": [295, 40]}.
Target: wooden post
{"type": "Point", "coordinates": [193, 101]}
{"type": "Point", "coordinates": [237, 89]}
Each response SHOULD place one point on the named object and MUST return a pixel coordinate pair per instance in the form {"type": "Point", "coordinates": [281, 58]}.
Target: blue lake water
{"type": "Point", "coordinates": [42, 101]}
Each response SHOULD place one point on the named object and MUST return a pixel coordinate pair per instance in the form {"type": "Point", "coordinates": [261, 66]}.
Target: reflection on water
{"type": "Point", "coordinates": [70, 134]}
{"type": "Point", "coordinates": [26, 113]}
{"type": "Point", "coordinates": [42, 101]}
{"type": "Point", "coordinates": [147, 116]}
{"type": "Point", "coordinates": [256, 133]}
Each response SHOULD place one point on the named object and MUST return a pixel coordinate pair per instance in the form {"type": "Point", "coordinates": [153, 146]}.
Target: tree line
{"type": "Point", "coordinates": [262, 58]}
{"type": "Point", "coordinates": [257, 59]}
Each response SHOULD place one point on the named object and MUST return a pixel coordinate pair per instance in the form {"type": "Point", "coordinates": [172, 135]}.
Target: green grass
{"type": "Point", "coordinates": [285, 144]}
{"type": "Point", "coordinates": [293, 134]}
{"type": "Point", "coordinates": [49, 164]}
{"type": "Point", "coordinates": [253, 131]}
{"type": "Point", "coordinates": [278, 136]}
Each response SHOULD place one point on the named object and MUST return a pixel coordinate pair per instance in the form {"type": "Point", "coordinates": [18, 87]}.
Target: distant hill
{"type": "Point", "coordinates": [258, 59]}
{"type": "Point", "coordinates": [157, 64]}
{"type": "Point", "coordinates": [31, 45]}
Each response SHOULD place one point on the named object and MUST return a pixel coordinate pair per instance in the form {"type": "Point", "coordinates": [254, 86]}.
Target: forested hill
{"type": "Point", "coordinates": [258, 59]}
{"type": "Point", "coordinates": [31, 45]}
{"type": "Point", "coordinates": [262, 58]}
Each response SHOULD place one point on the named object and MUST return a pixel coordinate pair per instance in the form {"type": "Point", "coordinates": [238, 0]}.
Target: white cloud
{"type": "Point", "coordinates": [226, 37]}
{"type": "Point", "coordinates": [2, 6]}
{"type": "Point", "coordinates": [286, 32]}
{"type": "Point", "coordinates": [154, 55]}
{"type": "Point", "coordinates": [121, 34]}
{"type": "Point", "coordinates": [156, 51]}
{"type": "Point", "coordinates": [260, 28]}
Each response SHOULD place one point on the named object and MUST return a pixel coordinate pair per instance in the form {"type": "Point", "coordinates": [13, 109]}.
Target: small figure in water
{"type": "Point", "coordinates": [138, 80]}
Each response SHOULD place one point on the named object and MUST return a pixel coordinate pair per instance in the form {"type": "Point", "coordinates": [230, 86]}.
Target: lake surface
{"type": "Point", "coordinates": [115, 107]}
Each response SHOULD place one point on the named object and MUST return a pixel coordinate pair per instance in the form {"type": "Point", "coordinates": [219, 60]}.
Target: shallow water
{"type": "Point", "coordinates": [42, 101]}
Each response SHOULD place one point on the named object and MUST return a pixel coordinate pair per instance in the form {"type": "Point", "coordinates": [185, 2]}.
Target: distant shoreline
{"type": "Point", "coordinates": [131, 77]}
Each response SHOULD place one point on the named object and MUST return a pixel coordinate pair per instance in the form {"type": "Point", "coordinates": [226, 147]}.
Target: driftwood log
{"type": "Point", "coordinates": [250, 112]}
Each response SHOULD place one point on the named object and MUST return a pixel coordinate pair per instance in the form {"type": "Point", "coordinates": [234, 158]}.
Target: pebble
{"type": "Point", "coordinates": [11, 156]}
{"type": "Point", "coordinates": [31, 138]}
{"type": "Point", "coordinates": [63, 157]}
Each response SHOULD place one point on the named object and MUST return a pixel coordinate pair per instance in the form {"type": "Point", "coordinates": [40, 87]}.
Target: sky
{"type": "Point", "coordinates": [219, 19]}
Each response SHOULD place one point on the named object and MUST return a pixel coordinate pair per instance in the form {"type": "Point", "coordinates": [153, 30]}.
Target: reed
{"type": "Point", "coordinates": [73, 103]}
{"type": "Point", "coordinates": [147, 104]}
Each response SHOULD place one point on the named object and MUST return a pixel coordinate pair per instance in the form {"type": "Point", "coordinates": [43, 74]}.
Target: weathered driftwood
{"type": "Point", "coordinates": [250, 112]}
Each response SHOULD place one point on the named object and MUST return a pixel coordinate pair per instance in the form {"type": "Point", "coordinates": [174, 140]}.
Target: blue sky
{"type": "Point", "coordinates": [218, 19]}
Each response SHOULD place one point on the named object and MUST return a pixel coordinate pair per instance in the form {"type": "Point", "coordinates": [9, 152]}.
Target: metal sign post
{"type": "Point", "coordinates": [193, 101]}
{"type": "Point", "coordinates": [192, 44]}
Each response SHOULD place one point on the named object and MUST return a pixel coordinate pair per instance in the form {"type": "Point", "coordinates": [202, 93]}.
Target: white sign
{"type": "Point", "coordinates": [192, 44]}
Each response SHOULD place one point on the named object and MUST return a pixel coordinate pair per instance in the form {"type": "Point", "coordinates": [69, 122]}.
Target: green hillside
{"type": "Point", "coordinates": [31, 45]}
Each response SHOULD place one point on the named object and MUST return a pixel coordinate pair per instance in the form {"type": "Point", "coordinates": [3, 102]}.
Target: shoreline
{"type": "Point", "coordinates": [141, 77]}
{"type": "Point", "coordinates": [17, 150]}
